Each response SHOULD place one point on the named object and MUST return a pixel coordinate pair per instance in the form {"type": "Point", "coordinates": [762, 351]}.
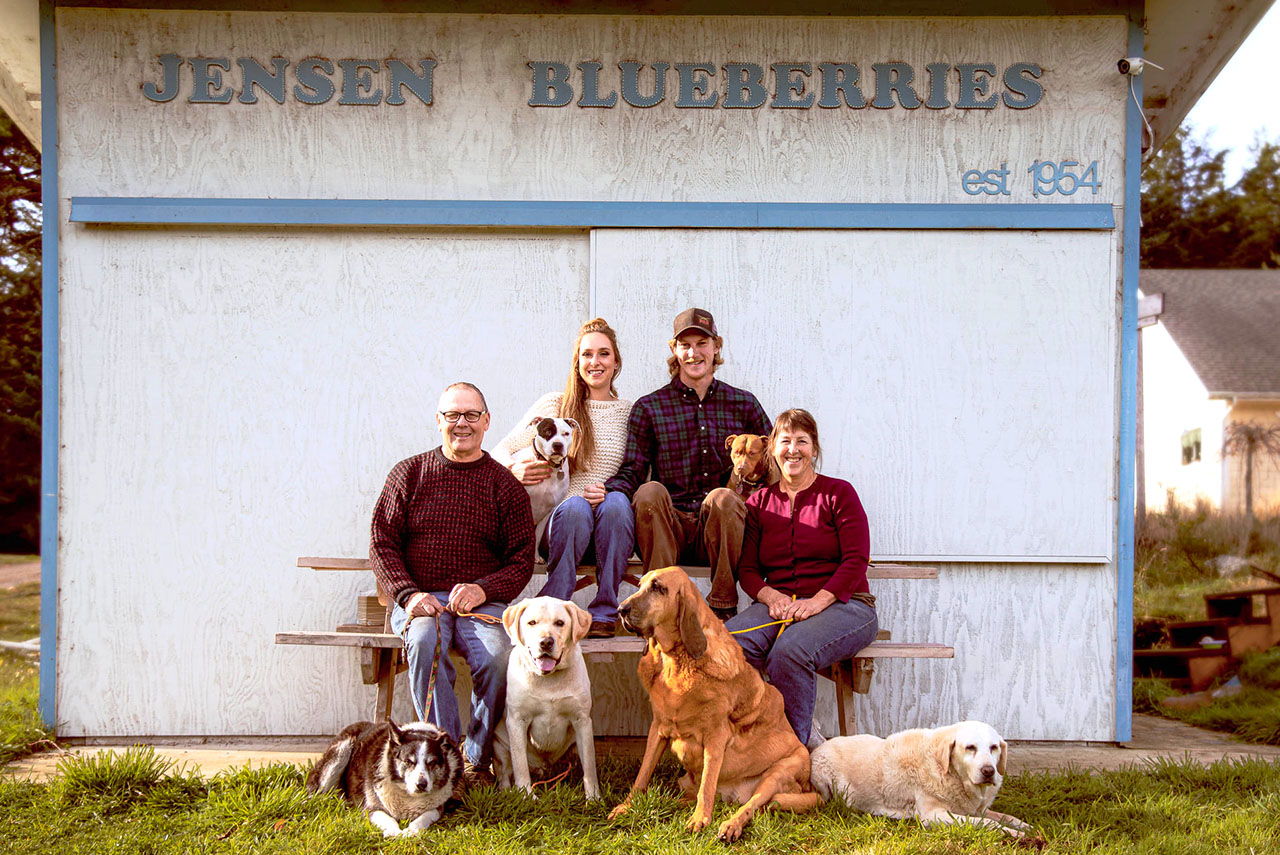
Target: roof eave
{"type": "Point", "coordinates": [1192, 42]}
{"type": "Point", "coordinates": [1245, 396]}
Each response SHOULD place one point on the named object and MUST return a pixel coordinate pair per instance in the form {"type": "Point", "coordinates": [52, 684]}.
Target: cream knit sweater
{"type": "Point", "coordinates": [608, 419]}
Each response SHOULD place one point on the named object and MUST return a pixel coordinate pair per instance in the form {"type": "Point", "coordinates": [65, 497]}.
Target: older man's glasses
{"type": "Point", "coordinates": [471, 416]}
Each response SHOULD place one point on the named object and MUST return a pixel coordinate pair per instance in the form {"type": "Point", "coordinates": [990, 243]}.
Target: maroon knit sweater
{"type": "Point", "coordinates": [439, 523]}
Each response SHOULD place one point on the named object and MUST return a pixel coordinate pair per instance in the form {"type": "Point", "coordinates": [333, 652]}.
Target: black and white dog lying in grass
{"type": "Point", "coordinates": [393, 773]}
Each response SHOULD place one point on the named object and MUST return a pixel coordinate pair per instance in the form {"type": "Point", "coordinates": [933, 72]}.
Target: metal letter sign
{"type": "Point", "coordinates": [705, 85]}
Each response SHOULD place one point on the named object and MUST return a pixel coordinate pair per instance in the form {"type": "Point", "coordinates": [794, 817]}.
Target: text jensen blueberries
{"type": "Point", "coordinates": [1063, 177]}
{"type": "Point", "coordinates": [733, 85]}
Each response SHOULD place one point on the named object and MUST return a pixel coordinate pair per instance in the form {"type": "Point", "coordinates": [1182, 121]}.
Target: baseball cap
{"type": "Point", "coordinates": [694, 319]}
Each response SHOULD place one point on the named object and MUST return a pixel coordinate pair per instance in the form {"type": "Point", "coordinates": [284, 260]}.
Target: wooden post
{"type": "Point", "coordinates": [1149, 309]}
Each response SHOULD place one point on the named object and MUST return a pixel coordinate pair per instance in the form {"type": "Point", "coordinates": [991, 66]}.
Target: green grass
{"type": "Point", "coordinates": [18, 559]}
{"type": "Point", "coordinates": [1174, 567]}
{"type": "Point", "coordinates": [21, 730]}
{"type": "Point", "coordinates": [1253, 715]}
{"type": "Point", "coordinates": [134, 803]}
{"type": "Point", "coordinates": [20, 612]}
{"type": "Point", "coordinates": [1174, 560]}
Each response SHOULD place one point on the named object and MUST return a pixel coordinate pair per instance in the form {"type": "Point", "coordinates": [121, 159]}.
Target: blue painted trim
{"type": "Point", "coordinates": [1128, 391]}
{"type": "Point", "coordinates": [49, 369]}
{"type": "Point", "coordinates": [120, 210]}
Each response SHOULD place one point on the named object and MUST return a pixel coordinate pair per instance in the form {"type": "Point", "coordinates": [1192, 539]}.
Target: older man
{"type": "Point", "coordinates": [676, 438]}
{"type": "Point", "coordinates": [453, 536]}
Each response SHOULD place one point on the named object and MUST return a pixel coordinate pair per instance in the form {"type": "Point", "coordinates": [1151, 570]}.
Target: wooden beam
{"type": "Point", "coordinates": [874, 571]}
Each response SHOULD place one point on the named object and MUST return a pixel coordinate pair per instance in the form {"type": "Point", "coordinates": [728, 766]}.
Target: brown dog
{"type": "Point", "coordinates": [725, 725]}
{"type": "Point", "coordinates": [752, 468]}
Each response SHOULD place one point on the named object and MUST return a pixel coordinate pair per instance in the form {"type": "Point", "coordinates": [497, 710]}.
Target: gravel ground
{"type": "Point", "coordinates": [13, 575]}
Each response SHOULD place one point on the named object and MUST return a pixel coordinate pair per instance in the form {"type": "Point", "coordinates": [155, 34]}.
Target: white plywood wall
{"type": "Point", "coordinates": [1035, 655]}
{"type": "Point", "coordinates": [481, 140]}
{"type": "Point", "coordinates": [231, 401]}
{"type": "Point", "coordinates": [963, 381]}
{"type": "Point", "coordinates": [233, 398]}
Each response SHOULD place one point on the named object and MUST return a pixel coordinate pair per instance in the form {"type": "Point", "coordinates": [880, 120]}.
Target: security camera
{"type": "Point", "coordinates": [1133, 65]}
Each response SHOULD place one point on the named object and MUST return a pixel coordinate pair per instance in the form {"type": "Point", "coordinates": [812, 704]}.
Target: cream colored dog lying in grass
{"type": "Point", "coordinates": [945, 775]}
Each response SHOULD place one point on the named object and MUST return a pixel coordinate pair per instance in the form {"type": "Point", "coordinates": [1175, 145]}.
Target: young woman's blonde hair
{"type": "Point", "coordinates": [573, 403]}
{"type": "Point", "coordinates": [796, 419]}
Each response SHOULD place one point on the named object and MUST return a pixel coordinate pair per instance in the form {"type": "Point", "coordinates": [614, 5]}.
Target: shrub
{"type": "Point", "coordinates": [113, 782]}
{"type": "Point", "coordinates": [1261, 670]}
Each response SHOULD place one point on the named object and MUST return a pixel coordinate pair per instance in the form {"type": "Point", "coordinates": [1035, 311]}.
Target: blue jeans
{"type": "Point", "coordinates": [791, 660]}
{"type": "Point", "coordinates": [574, 525]}
{"type": "Point", "coordinates": [485, 648]}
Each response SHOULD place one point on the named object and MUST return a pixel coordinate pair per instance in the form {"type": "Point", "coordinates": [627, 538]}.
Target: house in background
{"type": "Point", "coordinates": [1211, 358]}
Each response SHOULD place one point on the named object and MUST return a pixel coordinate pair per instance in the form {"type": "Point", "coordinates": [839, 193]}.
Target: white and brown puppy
{"type": "Point", "coordinates": [548, 694]}
{"type": "Point", "coordinates": [552, 439]}
{"type": "Point", "coordinates": [945, 775]}
{"type": "Point", "coordinates": [392, 773]}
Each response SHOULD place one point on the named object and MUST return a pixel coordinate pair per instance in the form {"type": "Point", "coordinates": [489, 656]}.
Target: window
{"type": "Point", "coordinates": [1190, 446]}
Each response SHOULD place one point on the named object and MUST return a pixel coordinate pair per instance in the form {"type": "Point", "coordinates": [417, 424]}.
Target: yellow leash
{"type": "Point", "coordinates": [785, 623]}
{"type": "Point", "coordinates": [435, 657]}
{"type": "Point", "coordinates": [478, 616]}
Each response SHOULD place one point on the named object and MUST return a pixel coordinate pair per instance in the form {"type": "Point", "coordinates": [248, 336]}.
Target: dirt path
{"type": "Point", "coordinates": [1154, 739]}
{"type": "Point", "coordinates": [13, 575]}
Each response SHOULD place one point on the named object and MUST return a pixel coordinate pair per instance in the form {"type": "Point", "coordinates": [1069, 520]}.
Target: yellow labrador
{"type": "Point", "coordinates": [548, 694]}
{"type": "Point", "coordinates": [945, 775]}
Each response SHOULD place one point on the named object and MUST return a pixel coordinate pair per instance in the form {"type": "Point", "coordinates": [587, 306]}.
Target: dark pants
{"type": "Point", "coordinates": [666, 536]}
{"type": "Point", "coordinates": [792, 657]}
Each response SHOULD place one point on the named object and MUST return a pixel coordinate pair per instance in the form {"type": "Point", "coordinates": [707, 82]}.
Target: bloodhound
{"type": "Point", "coordinates": [721, 720]}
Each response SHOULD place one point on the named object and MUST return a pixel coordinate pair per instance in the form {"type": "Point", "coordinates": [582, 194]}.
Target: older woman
{"type": "Point", "coordinates": [589, 517]}
{"type": "Point", "coordinates": [804, 561]}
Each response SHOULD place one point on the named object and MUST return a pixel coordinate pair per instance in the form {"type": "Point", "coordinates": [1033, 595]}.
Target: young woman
{"type": "Point", "coordinates": [590, 521]}
{"type": "Point", "coordinates": [804, 560]}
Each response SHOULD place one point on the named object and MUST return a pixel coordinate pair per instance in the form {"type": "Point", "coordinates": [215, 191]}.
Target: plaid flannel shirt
{"type": "Point", "coordinates": [678, 440]}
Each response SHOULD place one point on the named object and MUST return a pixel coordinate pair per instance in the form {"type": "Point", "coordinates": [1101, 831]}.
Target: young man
{"type": "Point", "coordinates": [453, 535]}
{"type": "Point", "coordinates": [676, 437]}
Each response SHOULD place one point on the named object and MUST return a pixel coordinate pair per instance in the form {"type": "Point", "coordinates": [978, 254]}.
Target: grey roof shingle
{"type": "Point", "coordinates": [1227, 324]}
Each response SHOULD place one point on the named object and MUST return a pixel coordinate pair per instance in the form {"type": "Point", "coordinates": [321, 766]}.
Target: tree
{"type": "Point", "coordinates": [20, 223]}
{"type": "Point", "coordinates": [1257, 238]}
{"type": "Point", "coordinates": [1192, 219]}
{"type": "Point", "coordinates": [1250, 439]}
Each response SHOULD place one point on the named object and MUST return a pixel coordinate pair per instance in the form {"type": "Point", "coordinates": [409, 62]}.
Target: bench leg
{"type": "Point", "coordinates": [845, 715]}
{"type": "Point", "coordinates": [387, 660]}
{"type": "Point", "coordinates": [863, 669]}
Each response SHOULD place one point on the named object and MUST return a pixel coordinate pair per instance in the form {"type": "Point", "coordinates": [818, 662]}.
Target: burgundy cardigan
{"type": "Point", "coordinates": [824, 544]}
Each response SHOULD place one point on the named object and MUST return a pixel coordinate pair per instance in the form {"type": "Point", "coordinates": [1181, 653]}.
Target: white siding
{"type": "Point", "coordinates": [961, 380]}
{"type": "Point", "coordinates": [1266, 467]}
{"type": "Point", "coordinates": [481, 140]}
{"type": "Point", "coordinates": [1175, 401]}
{"type": "Point", "coordinates": [233, 398]}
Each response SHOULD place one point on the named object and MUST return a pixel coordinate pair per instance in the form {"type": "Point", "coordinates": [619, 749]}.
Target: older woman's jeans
{"type": "Point", "coordinates": [484, 646]}
{"type": "Point", "coordinates": [575, 525]}
{"type": "Point", "coordinates": [791, 659]}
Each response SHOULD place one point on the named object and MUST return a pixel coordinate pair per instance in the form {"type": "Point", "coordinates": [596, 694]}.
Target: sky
{"type": "Point", "coordinates": [1242, 99]}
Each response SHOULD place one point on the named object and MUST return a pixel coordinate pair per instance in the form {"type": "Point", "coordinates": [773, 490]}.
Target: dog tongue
{"type": "Point", "coordinates": [547, 664]}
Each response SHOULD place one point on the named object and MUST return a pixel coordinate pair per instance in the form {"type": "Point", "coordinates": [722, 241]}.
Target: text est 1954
{"type": "Point", "coordinates": [1048, 177]}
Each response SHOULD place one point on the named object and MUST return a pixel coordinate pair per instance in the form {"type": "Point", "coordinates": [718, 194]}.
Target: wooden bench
{"type": "Point", "coordinates": [382, 659]}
